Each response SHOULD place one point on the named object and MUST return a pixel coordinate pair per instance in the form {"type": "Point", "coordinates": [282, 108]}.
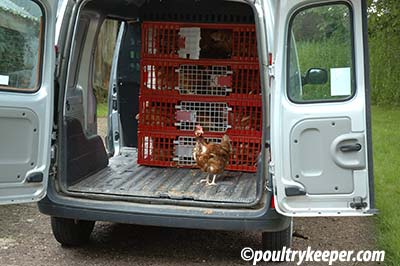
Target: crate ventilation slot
{"type": "Point", "coordinates": [198, 80]}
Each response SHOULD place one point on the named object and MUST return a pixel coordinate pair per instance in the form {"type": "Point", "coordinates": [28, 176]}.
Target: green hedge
{"type": "Point", "coordinates": [384, 52]}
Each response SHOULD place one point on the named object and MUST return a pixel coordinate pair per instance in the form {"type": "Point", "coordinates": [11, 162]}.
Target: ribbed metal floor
{"type": "Point", "coordinates": [124, 177]}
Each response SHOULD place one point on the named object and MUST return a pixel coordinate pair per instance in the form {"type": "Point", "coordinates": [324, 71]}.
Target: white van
{"type": "Point", "coordinates": [312, 155]}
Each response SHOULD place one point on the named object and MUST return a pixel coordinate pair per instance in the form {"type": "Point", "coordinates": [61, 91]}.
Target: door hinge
{"type": "Point", "coordinates": [53, 152]}
{"type": "Point", "coordinates": [268, 186]}
{"type": "Point", "coordinates": [358, 203]}
{"type": "Point", "coordinates": [271, 168]}
{"type": "Point", "coordinates": [114, 105]}
{"type": "Point", "coordinates": [58, 62]}
{"type": "Point", "coordinates": [271, 70]}
{"type": "Point", "coordinates": [54, 135]}
{"type": "Point", "coordinates": [116, 136]}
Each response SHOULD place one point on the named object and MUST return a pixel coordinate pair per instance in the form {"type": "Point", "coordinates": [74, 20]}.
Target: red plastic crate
{"type": "Point", "coordinates": [246, 81]}
{"type": "Point", "coordinates": [245, 117]}
{"type": "Point", "coordinates": [175, 150]}
{"type": "Point", "coordinates": [245, 153]}
{"type": "Point", "coordinates": [156, 149]}
{"type": "Point", "coordinates": [173, 113]}
{"type": "Point", "coordinates": [217, 41]}
{"type": "Point", "coordinates": [184, 113]}
{"type": "Point", "coordinates": [201, 78]}
{"type": "Point", "coordinates": [156, 113]}
{"type": "Point", "coordinates": [159, 77]}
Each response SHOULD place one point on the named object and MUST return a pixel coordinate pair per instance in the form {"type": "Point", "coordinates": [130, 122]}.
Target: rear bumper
{"type": "Point", "coordinates": [265, 219]}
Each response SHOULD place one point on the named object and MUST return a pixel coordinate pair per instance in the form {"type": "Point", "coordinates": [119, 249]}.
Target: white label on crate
{"type": "Point", "coordinates": [4, 80]}
{"type": "Point", "coordinates": [189, 43]}
{"type": "Point", "coordinates": [340, 81]}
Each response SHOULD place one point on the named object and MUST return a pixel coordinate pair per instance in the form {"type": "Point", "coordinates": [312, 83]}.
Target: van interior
{"type": "Point", "coordinates": [132, 171]}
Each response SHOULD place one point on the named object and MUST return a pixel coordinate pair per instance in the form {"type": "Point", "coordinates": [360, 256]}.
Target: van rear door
{"type": "Point", "coordinates": [26, 98]}
{"type": "Point", "coordinates": [321, 141]}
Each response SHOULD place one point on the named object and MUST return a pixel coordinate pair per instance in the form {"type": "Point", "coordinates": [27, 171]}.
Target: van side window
{"type": "Point", "coordinates": [20, 45]}
{"type": "Point", "coordinates": [320, 54]}
{"type": "Point", "coordinates": [103, 59]}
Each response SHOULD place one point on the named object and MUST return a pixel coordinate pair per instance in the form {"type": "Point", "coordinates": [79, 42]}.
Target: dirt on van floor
{"type": "Point", "coordinates": [26, 239]}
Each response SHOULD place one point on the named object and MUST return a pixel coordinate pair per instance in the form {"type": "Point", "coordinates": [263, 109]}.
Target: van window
{"type": "Point", "coordinates": [79, 39]}
{"type": "Point", "coordinates": [320, 54]}
{"type": "Point", "coordinates": [20, 45]}
{"type": "Point", "coordinates": [103, 59]}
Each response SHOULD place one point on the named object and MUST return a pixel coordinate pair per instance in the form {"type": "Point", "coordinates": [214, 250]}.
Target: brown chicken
{"type": "Point", "coordinates": [216, 44]}
{"type": "Point", "coordinates": [211, 157]}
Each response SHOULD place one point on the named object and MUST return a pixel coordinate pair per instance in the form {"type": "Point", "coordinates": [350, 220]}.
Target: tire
{"type": "Point", "coordinates": [277, 240]}
{"type": "Point", "coordinates": [69, 232]}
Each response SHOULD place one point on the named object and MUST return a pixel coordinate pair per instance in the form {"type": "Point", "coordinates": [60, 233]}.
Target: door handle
{"type": "Point", "coordinates": [350, 147]}
{"type": "Point", "coordinates": [348, 151]}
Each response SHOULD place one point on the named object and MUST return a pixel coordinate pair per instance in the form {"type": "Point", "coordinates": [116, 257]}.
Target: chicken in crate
{"type": "Point", "coordinates": [172, 40]}
{"type": "Point", "coordinates": [198, 77]}
{"type": "Point", "coordinates": [171, 113]}
{"type": "Point", "coordinates": [176, 149]}
{"type": "Point", "coordinates": [200, 80]}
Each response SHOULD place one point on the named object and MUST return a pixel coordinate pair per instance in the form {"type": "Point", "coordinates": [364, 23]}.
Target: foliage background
{"type": "Point", "coordinates": [384, 48]}
{"type": "Point", "coordinates": [384, 40]}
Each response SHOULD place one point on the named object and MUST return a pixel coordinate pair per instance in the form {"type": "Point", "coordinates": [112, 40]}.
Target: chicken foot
{"type": "Point", "coordinates": [207, 180]}
{"type": "Point", "coordinates": [213, 181]}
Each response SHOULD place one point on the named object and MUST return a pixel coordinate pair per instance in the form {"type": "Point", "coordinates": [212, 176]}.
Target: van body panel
{"type": "Point", "coordinates": [26, 116]}
{"type": "Point", "coordinates": [320, 149]}
{"type": "Point", "coordinates": [261, 219]}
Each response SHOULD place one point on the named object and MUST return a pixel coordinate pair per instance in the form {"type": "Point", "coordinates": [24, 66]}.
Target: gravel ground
{"type": "Point", "coordinates": [26, 239]}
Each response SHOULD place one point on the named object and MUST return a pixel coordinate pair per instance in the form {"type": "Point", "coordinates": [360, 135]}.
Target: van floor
{"type": "Point", "coordinates": [124, 176]}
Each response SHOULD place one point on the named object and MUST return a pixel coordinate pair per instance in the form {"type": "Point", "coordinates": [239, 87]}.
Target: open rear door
{"type": "Point", "coordinates": [27, 60]}
{"type": "Point", "coordinates": [321, 142]}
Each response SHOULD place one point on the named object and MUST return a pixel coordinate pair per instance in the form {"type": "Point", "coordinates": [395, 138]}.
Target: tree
{"type": "Point", "coordinates": [384, 16]}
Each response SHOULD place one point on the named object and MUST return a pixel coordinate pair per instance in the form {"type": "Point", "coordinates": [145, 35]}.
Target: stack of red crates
{"type": "Point", "coordinates": [198, 73]}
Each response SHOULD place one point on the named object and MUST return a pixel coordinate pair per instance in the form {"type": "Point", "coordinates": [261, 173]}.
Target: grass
{"type": "Point", "coordinates": [324, 54]}
{"type": "Point", "coordinates": [384, 53]}
{"type": "Point", "coordinates": [386, 142]}
{"type": "Point", "coordinates": [102, 109]}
